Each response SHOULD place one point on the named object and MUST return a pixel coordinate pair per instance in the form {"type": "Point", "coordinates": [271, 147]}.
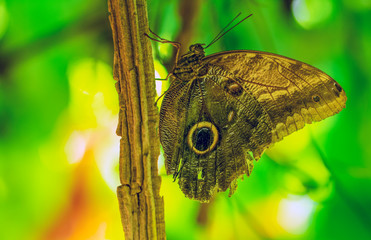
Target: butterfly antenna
{"type": "Point", "coordinates": [221, 34]}
{"type": "Point", "coordinates": [221, 31]}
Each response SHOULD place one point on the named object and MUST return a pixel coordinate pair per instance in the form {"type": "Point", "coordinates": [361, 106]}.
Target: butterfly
{"type": "Point", "coordinates": [222, 111]}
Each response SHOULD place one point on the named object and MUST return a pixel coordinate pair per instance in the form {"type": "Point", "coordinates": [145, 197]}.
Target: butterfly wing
{"type": "Point", "coordinates": [203, 107]}
{"type": "Point", "coordinates": [291, 93]}
{"type": "Point", "coordinates": [244, 102]}
{"type": "Point", "coordinates": [173, 115]}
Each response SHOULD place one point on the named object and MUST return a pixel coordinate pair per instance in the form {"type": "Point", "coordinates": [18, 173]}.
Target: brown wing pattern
{"type": "Point", "coordinates": [238, 131]}
{"type": "Point", "coordinates": [291, 92]}
{"type": "Point", "coordinates": [172, 122]}
{"type": "Point", "coordinates": [243, 101]}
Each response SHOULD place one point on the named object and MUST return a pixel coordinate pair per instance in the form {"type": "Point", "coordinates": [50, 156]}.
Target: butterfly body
{"type": "Point", "coordinates": [223, 110]}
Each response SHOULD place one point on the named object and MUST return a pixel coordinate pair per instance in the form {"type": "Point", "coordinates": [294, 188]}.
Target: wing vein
{"type": "Point", "coordinates": [217, 84]}
{"type": "Point", "coordinates": [302, 80]}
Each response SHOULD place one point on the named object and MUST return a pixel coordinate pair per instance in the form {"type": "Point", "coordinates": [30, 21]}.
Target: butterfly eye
{"type": "Point", "coordinates": [196, 48]}
{"type": "Point", "coordinates": [202, 137]}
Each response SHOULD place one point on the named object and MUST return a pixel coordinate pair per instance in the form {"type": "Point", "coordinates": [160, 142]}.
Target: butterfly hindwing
{"type": "Point", "coordinates": [228, 119]}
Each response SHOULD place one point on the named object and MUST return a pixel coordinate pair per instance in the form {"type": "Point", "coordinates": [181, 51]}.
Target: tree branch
{"type": "Point", "coordinates": [141, 206]}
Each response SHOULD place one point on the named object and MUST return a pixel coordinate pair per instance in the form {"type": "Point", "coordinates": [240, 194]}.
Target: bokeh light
{"type": "Point", "coordinates": [3, 18]}
{"type": "Point", "coordinates": [311, 13]}
{"type": "Point", "coordinates": [294, 213]}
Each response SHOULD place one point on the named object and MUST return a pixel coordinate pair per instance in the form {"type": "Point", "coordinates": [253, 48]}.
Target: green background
{"type": "Point", "coordinates": [58, 114]}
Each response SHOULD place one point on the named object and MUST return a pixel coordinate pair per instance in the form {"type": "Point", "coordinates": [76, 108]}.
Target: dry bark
{"type": "Point", "coordinates": [141, 206]}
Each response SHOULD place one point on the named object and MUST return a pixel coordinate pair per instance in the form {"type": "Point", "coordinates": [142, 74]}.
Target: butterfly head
{"type": "Point", "coordinates": [197, 49]}
{"type": "Point", "coordinates": [195, 54]}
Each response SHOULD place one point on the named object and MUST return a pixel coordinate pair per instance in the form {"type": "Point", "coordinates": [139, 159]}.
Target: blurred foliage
{"type": "Point", "coordinates": [58, 113]}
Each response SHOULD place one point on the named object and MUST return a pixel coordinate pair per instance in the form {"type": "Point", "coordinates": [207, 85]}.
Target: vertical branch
{"type": "Point", "coordinates": [141, 206]}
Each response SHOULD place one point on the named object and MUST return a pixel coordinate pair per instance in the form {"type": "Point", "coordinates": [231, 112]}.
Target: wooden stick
{"type": "Point", "coordinates": [141, 206]}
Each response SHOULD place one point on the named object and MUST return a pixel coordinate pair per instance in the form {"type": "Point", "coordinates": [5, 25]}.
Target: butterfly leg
{"type": "Point", "coordinates": [157, 35]}
{"type": "Point", "coordinates": [168, 75]}
{"type": "Point", "coordinates": [163, 40]}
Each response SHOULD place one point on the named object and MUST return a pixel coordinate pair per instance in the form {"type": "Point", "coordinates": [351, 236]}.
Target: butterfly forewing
{"type": "Point", "coordinates": [291, 92]}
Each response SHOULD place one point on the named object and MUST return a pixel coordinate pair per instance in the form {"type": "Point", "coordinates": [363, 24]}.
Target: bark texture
{"type": "Point", "coordinates": [141, 206]}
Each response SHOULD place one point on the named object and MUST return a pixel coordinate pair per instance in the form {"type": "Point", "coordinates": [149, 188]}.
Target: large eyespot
{"type": "Point", "coordinates": [202, 137]}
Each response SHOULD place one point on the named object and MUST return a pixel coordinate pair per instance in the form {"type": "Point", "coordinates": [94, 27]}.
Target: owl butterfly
{"type": "Point", "coordinates": [223, 110]}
